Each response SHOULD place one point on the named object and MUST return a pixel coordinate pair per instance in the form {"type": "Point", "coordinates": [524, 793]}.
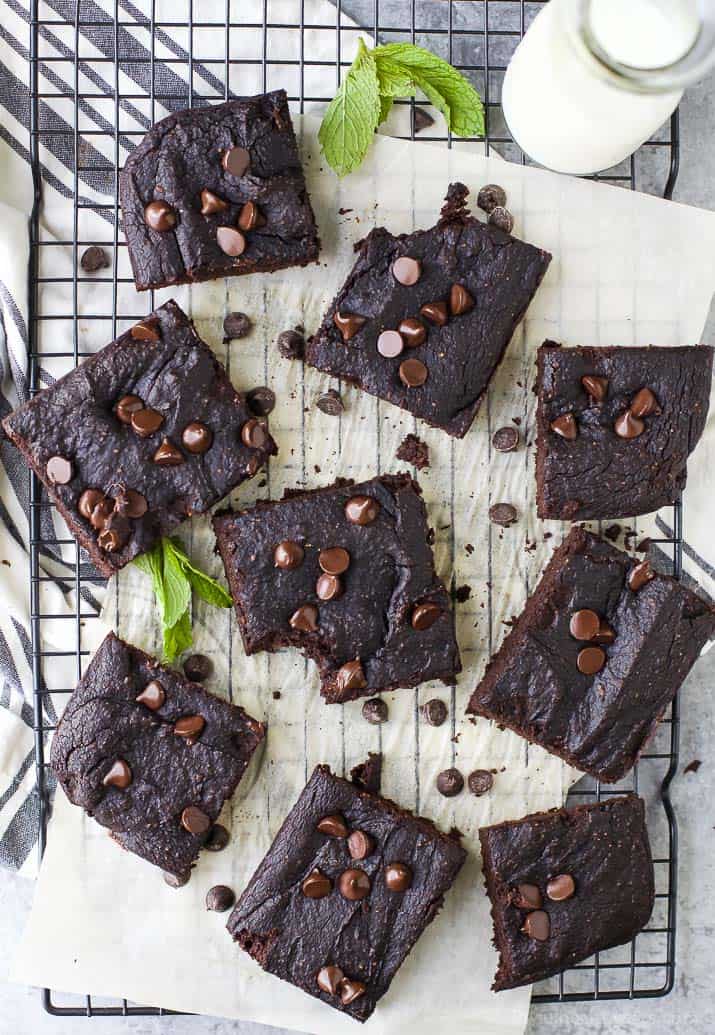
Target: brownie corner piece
{"type": "Point", "coordinates": [615, 427]}
{"type": "Point", "coordinates": [566, 884]}
{"type": "Point", "coordinates": [217, 191]}
{"type": "Point", "coordinates": [346, 574]}
{"type": "Point", "coordinates": [595, 658]}
{"type": "Point", "coordinates": [151, 755]}
{"type": "Point", "coordinates": [423, 319]}
{"type": "Point", "coordinates": [140, 436]}
{"type": "Point", "coordinates": [348, 886]}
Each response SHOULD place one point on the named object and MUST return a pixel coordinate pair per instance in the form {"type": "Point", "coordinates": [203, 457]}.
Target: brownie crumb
{"type": "Point", "coordinates": [367, 775]}
{"type": "Point", "coordinates": [462, 594]}
{"type": "Point", "coordinates": [414, 451]}
{"type": "Point", "coordinates": [692, 767]}
{"type": "Point", "coordinates": [612, 532]}
{"type": "Point", "coordinates": [344, 211]}
{"type": "Point", "coordinates": [276, 695]}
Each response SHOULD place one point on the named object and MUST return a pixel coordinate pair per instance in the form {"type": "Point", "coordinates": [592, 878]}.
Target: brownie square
{"type": "Point", "coordinates": [347, 887]}
{"type": "Point", "coordinates": [565, 884]}
{"type": "Point", "coordinates": [217, 192]}
{"type": "Point", "coordinates": [431, 340]}
{"type": "Point", "coordinates": [151, 755]}
{"type": "Point", "coordinates": [615, 427]}
{"type": "Point", "coordinates": [595, 658]}
{"type": "Point", "coordinates": [346, 574]}
{"type": "Point", "coordinates": [139, 437]}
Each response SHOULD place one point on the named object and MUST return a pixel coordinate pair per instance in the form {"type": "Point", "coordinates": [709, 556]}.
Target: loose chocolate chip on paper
{"type": "Point", "coordinates": [480, 782]}
{"type": "Point", "coordinates": [176, 880]}
{"type": "Point", "coordinates": [291, 344]}
{"type": "Point", "coordinates": [94, 258]}
{"type": "Point", "coordinates": [219, 898]}
{"type": "Point", "coordinates": [375, 711]}
{"type": "Point", "coordinates": [505, 440]}
{"type": "Point", "coordinates": [450, 782]}
{"type": "Point", "coordinates": [194, 820]}
{"type": "Point", "coordinates": [503, 514]}
{"type": "Point", "coordinates": [236, 325]}
{"type": "Point", "coordinates": [490, 197]}
{"type": "Point", "coordinates": [434, 712]}
{"type": "Point", "coordinates": [261, 401]}
{"type": "Point", "coordinates": [198, 667]}
{"type": "Point", "coordinates": [330, 403]}
{"type": "Point", "coordinates": [218, 838]}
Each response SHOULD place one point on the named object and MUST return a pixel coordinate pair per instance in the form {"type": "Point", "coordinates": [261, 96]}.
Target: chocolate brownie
{"type": "Point", "coordinates": [565, 884]}
{"type": "Point", "coordinates": [139, 437]}
{"type": "Point", "coordinates": [217, 192]}
{"type": "Point", "coordinates": [346, 574]}
{"type": "Point", "coordinates": [151, 755]}
{"type": "Point", "coordinates": [595, 658]}
{"type": "Point", "coordinates": [347, 887]}
{"type": "Point", "coordinates": [615, 427]}
{"type": "Point", "coordinates": [424, 319]}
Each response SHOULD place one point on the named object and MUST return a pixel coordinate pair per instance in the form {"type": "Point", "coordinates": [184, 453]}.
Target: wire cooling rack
{"type": "Point", "coordinates": [84, 59]}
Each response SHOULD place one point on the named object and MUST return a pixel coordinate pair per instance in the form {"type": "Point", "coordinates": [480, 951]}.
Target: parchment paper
{"type": "Point", "coordinates": [627, 269]}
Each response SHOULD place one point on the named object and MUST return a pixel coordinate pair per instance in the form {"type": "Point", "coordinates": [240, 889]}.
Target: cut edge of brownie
{"type": "Point", "coordinates": [502, 981]}
{"type": "Point", "coordinates": [577, 541]}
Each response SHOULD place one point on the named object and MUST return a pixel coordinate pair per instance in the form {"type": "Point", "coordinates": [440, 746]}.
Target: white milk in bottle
{"type": "Point", "coordinates": [593, 79]}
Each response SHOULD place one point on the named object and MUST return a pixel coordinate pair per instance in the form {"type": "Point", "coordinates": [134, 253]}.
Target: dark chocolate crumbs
{"type": "Point", "coordinates": [692, 767]}
{"type": "Point", "coordinates": [414, 451]}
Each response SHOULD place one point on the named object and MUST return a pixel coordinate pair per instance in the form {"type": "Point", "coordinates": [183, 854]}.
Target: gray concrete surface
{"type": "Point", "coordinates": [691, 1005]}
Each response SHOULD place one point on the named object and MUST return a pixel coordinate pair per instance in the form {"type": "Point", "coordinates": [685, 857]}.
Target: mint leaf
{"type": "Point", "coordinates": [177, 590]}
{"type": "Point", "coordinates": [353, 115]}
{"type": "Point", "coordinates": [394, 81]}
{"type": "Point", "coordinates": [207, 588]}
{"type": "Point", "coordinates": [385, 107]}
{"type": "Point", "coordinates": [177, 638]}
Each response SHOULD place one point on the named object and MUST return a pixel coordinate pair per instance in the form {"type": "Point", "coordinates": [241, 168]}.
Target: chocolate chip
{"type": "Point", "coordinates": [101, 512]}
{"type": "Point", "coordinates": [536, 925]}
{"type": "Point", "coordinates": [194, 820]}
{"type": "Point", "coordinates": [460, 300]}
{"type": "Point", "coordinates": [254, 434]}
{"type": "Point", "coordinates": [231, 241]}
{"type": "Point", "coordinates": [305, 619]}
{"type": "Point", "coordinates": [196, 437]}
{"type": "Point", "coordinates": [413, 332]}
{"type": "Point", "coordinates": [176, 880]}
{"type": "Point", "coordinates": [350, 676]}
{"type": "Point", "coordinates": [291, 345]}
{"type": "Point", "coordinates": [413, 373]}
{"type": "Point", "coordinates": [146, 422]}
{"type": "Point", "coordinates": [119, 775]}
{"type": "Point", "coordinates": [638, 576]}
{"type": "Point", "coordinates": [375, 711]}
{"type": "Point", "coordinates": [354, 884]}
{"type": "Point", "coordinates": [168, 455]}
{"type": "Point", "coordinates": [198, 667]}
{"type": "Point", "coordinates": [288, 555]}
{"type": "Point", "coordinates": [219, 898]}
{"type": "Point", "coordinates": [527, 896]}
{"type": "Point", "coordinates": [114, 534]}
{"type": "Point", "coordinates": [211, 203]}
{"type": "Point", "coordinates": [59, 470]}
{"type": "Point", "coordinates": [644, 403]}
{"type": "Point", "coordinates": [360, 844]}
{"type": "Point", "coordinates": [160, 216]}
{"type": "Point", "coordinates": [406, 271]}
{"type": "Point", "coordinates": [333, 825]}
{"type": "Point", "coordinates": [250, 217]}
{"type": "Point", "coordinates": [560, 888]}
{"type": "Point", "coordinates": [361, 510]}
{"type": "Point", "coordinates": [329, 979]}
{"type": "Point", "coordinates": [152, 696]}
{"type": "Point", "coordinates": [127, 406]}
{"type": "Point", "coordinates": [590, 660]}
{"type": "Point", "coordinates": [501, 218]}
{"type": "Point", "coordinates": [189, 726]}
{"type": "Point", "coordinates": [328, 587]}
{"type": "Point", "coordinates": [330, 403]}
{"type": "Point", "coordinates": [480, 781]}
{"type": "Point", "coordinates": [450, 782]}
{"type": "Point", "coordinates": [236, 161]}
{"type": "Point", "coordinates": [334, 561]}
{"type": "Point", "coordinates": [596, 387]}
{"type": "Point", "coordinates": [348, 323]}
{"type": "Point", "coordinates": [131, 504]}
{"type": "Point", "coordinates": [316, 885]}
{"type": "Point", "coordinates": [390, 344]}
{"type": "Point", "coordinates": [423, 119]}
{"type": "Point", "coordinates": [505, 440]}
{"type": "Point", "coordinates": [490, 197]}
{"type": "Point", "coordinates": [565, 426]}
{"type": "Point", "coordinates": [398, 877]}
{"type": "Point", "coordinates": [261, 401]}
{"type": "Point", "coordinates": [218, 838]}
{"type": "Point", "coordinates": [435, 312]}
{"type": "Point", "coordinates": [88, 501]}
{"type": "Point", "coordinates": [93, 259]}
{"type": "Point", "coordinates": [605, 633]}
{"type": "Point", "coordinates": [424, 616]}
{"type": "Point", "coordinates": [434, 712]}
{"type": "Point", "coordinates": [145, 330]}
{"type": "Point", "coordinates": [627, 426]}
{"type": "Point", "coordinates": [236, 325]}
{"type": "Point", "coordinates": [503, 514]}
{"type": "Point", "coordinates": [584, 624]}
{"type": "Point", "coordinates": [350, 990]}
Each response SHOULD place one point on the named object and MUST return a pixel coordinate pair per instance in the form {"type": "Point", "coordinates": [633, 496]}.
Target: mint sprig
{"type": "Point", "coordinates": [173, 577]}
{"type": "Point", "coordinates": [366, 95]}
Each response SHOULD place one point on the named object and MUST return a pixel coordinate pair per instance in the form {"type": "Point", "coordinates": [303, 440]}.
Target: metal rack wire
{"type": "Point", "coordinates": [478, 36]}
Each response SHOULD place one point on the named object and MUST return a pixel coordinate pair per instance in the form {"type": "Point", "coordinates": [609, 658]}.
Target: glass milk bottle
{"type": "Point", "coordinates": [593, 79]}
